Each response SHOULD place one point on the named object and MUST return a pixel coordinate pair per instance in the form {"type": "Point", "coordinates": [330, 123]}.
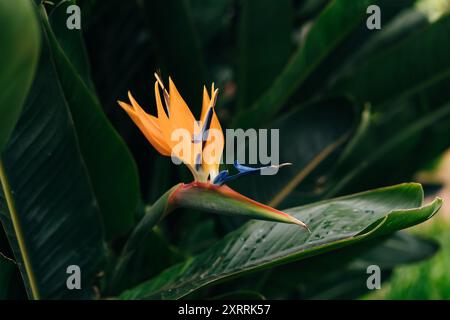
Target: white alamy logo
{"type": "Point", "coordinates": [249, 146]}
{"type": "Point", "coordinates": [374, 20]}
{"type": "Point", "coordinates": [74, 279]}
{"type": "Point", "coordinates": [74, 19]}
{"type": "Point", "coordinates": [374, 280]}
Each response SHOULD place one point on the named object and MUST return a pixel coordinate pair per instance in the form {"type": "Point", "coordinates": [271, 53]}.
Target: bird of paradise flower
{"type": "Point", "coordinates": [200, 150]}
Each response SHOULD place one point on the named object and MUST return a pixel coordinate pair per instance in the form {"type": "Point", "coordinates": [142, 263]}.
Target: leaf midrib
{"type": "Point", "coordinates": [18, 232]}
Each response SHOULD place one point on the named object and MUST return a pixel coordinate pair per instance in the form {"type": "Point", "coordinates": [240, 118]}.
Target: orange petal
{"type": "Point", "coordinates": [180, 115]}
{"type": "Point", "coordinates": [164, 123]}
{"type": "Point", "coordinates": [148, 128]}
{"type": "Point", "coordinates": [205, 104]}
{"type": "Point", "coordinates": [213, 149]}
{"type": "Point", "coordinates": [168, 127]}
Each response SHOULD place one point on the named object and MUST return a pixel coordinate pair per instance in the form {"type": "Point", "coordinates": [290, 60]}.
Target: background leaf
{"type": "Point", "coordinates": [19, 39]}
{"type": "Point", "coordinates": [350, 176]}
{"type": "Point", "coordinates": [332, 26]}
{"type": "Point", "coordinates": [111, 168]}
{"type": "Point", "coordinates": [414, 63]}
{"type": "Point", "coordinates": [71, 41]}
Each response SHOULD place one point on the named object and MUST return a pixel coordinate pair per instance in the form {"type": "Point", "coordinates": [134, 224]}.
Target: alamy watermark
{"type": "Point", "coordinates": [74, 19]}
{"type": "Point", "coordinates": [249, 146]}
{"type": "Point", "coordinates": [73, 281]}
{"type": "Point", "coordinates": [373, 22]}
{"type": "Point", "coordinates": [374, 280]}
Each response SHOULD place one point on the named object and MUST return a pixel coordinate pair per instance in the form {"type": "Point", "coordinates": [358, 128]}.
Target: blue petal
{"type": "Point", "coordinates": [224, 177]}
{"type": "Point", "coordinates": [219, 179]}
{"type": "Point", "coordinates": [207, 124]}
{"type": "Point", "coordinates": [244, 169]}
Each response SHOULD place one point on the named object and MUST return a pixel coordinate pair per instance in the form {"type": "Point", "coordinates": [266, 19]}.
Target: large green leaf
{"type": "Point", "coordinates": [339, 274]}
{"type": "Point", "coordinates": [19, 39]}
{"type": "Point", "coordinates": [264, 46]}
{"type": "Point", "coordinates": [47, 205]}
{"type": "Point", "coordinates": [334, 224]}
{"type": "Point", "coordinates": [332, 26]}
{"type": "Point", "coordinates": [111, 168]}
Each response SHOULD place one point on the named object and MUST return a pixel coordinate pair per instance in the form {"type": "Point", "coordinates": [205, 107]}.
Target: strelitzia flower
{"type": "Point", "coordinates": [199, 145]}
{"type": "Point", "coordinates": [202, 150]}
